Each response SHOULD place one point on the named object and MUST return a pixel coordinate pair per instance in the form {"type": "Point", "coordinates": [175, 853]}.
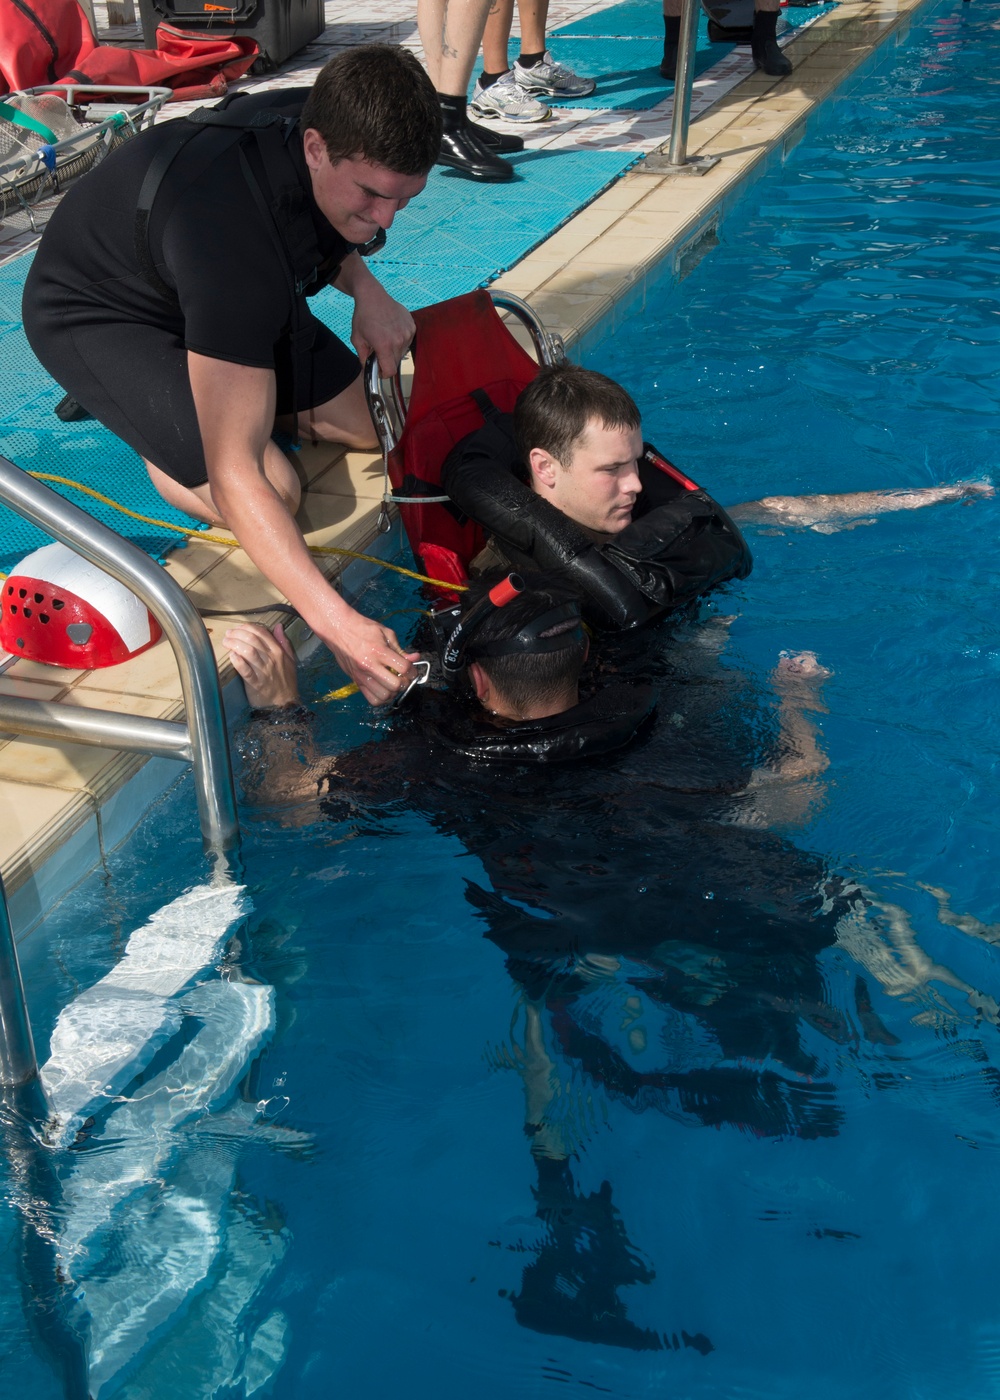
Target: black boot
{"type": "Point", "coordinates": [671, 38]}
{"type": "Point", "coordinates": [462, 150]}
{"type": "Point", "coordinates": [500, 141]}
{"type": "Point", "coordinates": [764, 45]}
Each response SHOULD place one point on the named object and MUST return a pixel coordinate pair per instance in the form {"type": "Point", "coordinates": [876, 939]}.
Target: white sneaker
{"type": "Point", "coordinates": [551, 79]}
{"type": "Point", "coordinates": [505, 100]}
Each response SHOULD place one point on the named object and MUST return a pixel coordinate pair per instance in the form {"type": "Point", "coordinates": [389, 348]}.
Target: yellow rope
{"type": "Point", "coordinates": [208, 538]}
{"type": "Point", "coordinates": [231, 543]}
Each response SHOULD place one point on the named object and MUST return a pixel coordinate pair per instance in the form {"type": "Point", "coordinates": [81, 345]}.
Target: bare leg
{"type": "Point", "coordinates": [451, 32]}
{"type": "Point", "coordinates": [903, 968]}
{"type": "Point", "coordinates": [828, 513]}
{"type": "Point", "coordinates": [533, 16]}
{"type": "Point", "coordinates": [197, 500]}
{"type": "Point", "coordinates": [344, 419]}
{"type": "Point", "coordinates": [966, 923]}
{"type": "Point", "coordinates": [496, 36]}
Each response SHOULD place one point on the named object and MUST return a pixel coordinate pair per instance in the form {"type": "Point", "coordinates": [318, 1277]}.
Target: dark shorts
{"type": "Point", "coordinates": [133, 378]}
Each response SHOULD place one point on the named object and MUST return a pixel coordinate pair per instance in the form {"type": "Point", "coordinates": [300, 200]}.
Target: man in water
{"type": "Point", "coordinates": [568, 484]}
{"type": "Point", "coordinates": [168, 297]}
{"type": "Point", "coordinates": [668, 949]}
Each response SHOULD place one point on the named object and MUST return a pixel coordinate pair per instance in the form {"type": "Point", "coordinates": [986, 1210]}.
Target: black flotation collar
{"type": "Point", "coordinates": [605, 722]}
{"type": "Point", "coordinates": [680, 542]}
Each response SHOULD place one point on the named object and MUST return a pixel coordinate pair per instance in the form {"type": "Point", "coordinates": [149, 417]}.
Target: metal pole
{"type": "Point", "coordinates": [18, 1065]}
{"type": "Point", "coordinates": [677, 154]}
{"type": "Point", "coordinates": [181, 624]}
{"type": "Point", "coordinates": [105, 729]}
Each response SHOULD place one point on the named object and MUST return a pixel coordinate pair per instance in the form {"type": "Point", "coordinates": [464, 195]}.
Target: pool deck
{"type": "Point", "coordinates": [63, 808]}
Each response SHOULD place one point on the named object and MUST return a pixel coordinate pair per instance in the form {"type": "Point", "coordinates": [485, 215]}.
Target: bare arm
{"type": "Point", "coordinates": [235, 405]}
{"type": "Point", "coordinates": [779, 791]}
{"type": "Point", "coordinates": [283, 764]}
{"type": "Point", "coordinates": [826, 512]}
{"type": "Point", "coordinates": [380, 323]}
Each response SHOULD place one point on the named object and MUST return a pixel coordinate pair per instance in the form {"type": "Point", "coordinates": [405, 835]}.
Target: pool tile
{"type": "Point", "coordinates": [533, 273]}
{"type": "Point", "coordinates": [32, 821]}
{"type": "Point", "coordinates": [596, 278]}
{"type": "Point", "coordinates": [61, 846]}
{"type": "Point", "coordinates": [355, 474]}
{"type": "Point", "coordinates": [152, 673]}
{"type": "Point", "coordinates": [36, 761]}
{"type": "Point", "coordinates": [571, 314]}
{"type": "Point", "coordinates": [187, 565]}
{"type": "Point", "coordinates": [30, 689]}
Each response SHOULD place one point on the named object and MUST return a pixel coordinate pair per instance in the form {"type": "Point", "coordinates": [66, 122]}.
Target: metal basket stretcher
{"type": "Point", "coordinates": [108, 117]}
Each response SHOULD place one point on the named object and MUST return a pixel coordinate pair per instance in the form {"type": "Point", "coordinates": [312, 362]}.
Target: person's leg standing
{"type": "Point", "coordinates": [536, 71]}
{"type": "Point", "coordinates": [497, 94]}
{"type": "Point", "coordinates": [767, 56]}
{"type": "Point", "coordinates": [451, 32]}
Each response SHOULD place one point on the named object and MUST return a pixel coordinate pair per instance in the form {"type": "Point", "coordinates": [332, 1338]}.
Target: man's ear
{"type": "Point", "coordinates": [480, 683]}
{"type": "Point", "coordinates": [543, 466]}
{"type": "Point", "coordinates": [314, 148]}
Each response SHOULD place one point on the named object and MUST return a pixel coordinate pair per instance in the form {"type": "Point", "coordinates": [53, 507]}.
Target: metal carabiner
{"type": "Point", "coordinates": [422, 679]}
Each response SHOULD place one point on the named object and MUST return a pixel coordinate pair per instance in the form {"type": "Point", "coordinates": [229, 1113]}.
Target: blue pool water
{"type": "Point", "coordinates": [769, 1126]}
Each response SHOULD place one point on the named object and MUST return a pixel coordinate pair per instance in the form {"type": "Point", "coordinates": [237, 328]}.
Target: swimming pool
{"type": "Point", "coordinates": [798, 1163]}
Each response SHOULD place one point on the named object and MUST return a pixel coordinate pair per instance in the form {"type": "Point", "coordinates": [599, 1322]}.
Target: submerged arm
{"type": "Point", "coordinates": [283, 763]}
{"type": "Point", "coordinates": [815, 512]}
{"type": "Point", "coordinates": [778, 791]}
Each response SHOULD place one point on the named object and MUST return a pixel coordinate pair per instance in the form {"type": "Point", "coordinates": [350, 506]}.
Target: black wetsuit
{"type": "Point", "coordinates": [119, 346]}
{"type": "Point", "coordinates": [633, 856]}
{"type": "Point", "coordinates": [637, 854]}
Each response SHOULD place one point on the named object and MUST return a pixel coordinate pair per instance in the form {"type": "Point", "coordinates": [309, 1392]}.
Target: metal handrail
{"type": "Point", "coordinates": [203, 737]}
{"type": "Point", "coordinates": [683, 83]}
{"type": "Point", "coordinates": [18, 1065]}
{"type": "Point", "coordinates": [548, 346]}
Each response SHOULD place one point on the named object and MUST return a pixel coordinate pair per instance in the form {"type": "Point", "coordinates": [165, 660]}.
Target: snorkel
{"type": "Point", "coordinates": [462, 645]}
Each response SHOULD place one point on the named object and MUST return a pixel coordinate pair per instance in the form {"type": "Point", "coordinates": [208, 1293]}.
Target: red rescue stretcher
{"type": "Point", "coordinates": [460, 345]}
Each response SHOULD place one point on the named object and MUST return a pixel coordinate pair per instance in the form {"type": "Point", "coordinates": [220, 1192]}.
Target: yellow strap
{"type": "Point", "coordinates": [231, 543]}
{"type": "Point", "coordinates": [208, 538]}
{"type": "Point", "coordinates": [342, 693]}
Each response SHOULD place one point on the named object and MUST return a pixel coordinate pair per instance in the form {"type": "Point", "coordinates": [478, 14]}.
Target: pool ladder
{"type": "Point", "coordinates": [200, 740]}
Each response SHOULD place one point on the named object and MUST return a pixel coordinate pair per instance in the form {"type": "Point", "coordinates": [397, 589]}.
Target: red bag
{"type": "Point", "coordinates": [194, 65]}
{"type": "Point", "coordinates": [45, 41]}
{"type": "Point", "coordinates": [40, 40]}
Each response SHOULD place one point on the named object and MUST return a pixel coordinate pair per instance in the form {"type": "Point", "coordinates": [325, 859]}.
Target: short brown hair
{"type": "Point", "coordinates": [375, 101]}
{"type": "Point", "coordinates": [555, 408]}
{"type": "Point", "coordinates": [527, 678]}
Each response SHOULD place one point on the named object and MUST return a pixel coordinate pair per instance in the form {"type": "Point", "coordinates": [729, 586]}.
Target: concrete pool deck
{"type": "Point", "coordinates": [63, 808]}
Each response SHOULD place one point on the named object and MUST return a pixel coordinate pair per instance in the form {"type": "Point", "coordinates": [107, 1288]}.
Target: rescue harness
{"type": "Point", "coordinates": [679, 544]}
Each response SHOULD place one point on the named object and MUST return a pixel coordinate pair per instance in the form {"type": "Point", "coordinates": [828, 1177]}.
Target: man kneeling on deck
{"type": "Point", "coordinates": [567, 484]}
{"type": "Point", "coordinates": [169, 295]}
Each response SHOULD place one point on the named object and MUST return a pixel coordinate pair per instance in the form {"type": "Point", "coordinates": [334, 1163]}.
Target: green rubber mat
{"type": "Point", "coordinates": [32, 437]}
{"type": "Point", "coordinates": [456, 236]}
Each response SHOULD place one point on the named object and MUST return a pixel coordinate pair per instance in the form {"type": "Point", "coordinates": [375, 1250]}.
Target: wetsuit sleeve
{"type": "Point", "coordinates": [232, 287]}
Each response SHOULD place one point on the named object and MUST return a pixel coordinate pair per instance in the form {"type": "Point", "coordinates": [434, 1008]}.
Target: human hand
{"type": "Point", "coordinates": [371, 655]}
{"type": "Point", "coordinates": [380, 324]}
{"type": "Point", "coordinates": [266, 662]}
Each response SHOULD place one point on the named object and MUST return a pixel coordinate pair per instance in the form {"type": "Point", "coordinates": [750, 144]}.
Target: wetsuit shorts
{"type": "Point", "coordinates": [133, 378]}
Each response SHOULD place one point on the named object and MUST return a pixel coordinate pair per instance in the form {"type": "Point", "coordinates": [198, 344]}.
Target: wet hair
{"type": "Point", "coordinates": [526, 678]}
{"type": "Point", "coordinates": [555, 408]}
{"type": "Point", "coordinates": [375, 101]}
